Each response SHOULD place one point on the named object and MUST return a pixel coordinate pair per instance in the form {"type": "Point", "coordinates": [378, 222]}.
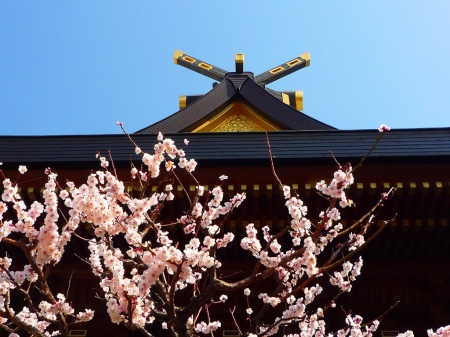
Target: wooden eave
{"type": "Point", "coordinates": [305, 147]}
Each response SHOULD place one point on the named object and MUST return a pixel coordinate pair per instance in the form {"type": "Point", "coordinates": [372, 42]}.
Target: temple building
{"type": "Point", "coordinates": [409, 262]}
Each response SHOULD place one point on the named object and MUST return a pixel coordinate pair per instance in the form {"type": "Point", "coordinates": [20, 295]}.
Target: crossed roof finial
{"type": "Point", "coordinates": [240, 102]}
{"type": "Point", "coordinates": [219, 74]}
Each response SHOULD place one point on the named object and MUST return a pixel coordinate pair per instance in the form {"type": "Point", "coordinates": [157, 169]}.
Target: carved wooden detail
{"type": "Point", "coordinates": [237, 117]}
{"type": "Point", "coordinates": [237, 123]}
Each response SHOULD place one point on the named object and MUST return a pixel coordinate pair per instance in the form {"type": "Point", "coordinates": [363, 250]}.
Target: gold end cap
{"type": "Point", "coordinates": [307, 57]}
{"type": "Point", "coordinates": [285, 98]}
{"type": "Point", "coordinates": [182, 102]}
{"type": "Point", "coordinates": [177, 54]}
{"type": "Point", "coordinates": [239, 58]}
{"type": "Point", "coordinates": [299, 100]}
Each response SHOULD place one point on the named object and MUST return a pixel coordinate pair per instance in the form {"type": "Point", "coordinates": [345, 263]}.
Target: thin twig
{"type": "Point", "coordinates": [112, 163]}
{"type": "Point", "coordinates": [84, 260]}
{"type": "Point", "coordinates": [70, 280]}
{"type": "Point", "coordinates": [127, 134]}
{"type": "Point", "coordinates": [368, 153]}
{"type": "Point", "coordinates": [271, 160]}
{"type": "Point", "coordinates": [182, 186]}
{"type": "Point", "coordinates": [373, 236]}
{"type": "Point", "coordinates": [234, 320]}
{"type": "Point", "coordinates": [335, 297]}
{"type": "Point", "coordinates": [380, 317]}
{"type": "Point", "coordinates": [370, 212]}
{"type": "Point", "coordinates": [336, 161]}
{"type": "Point", "coordinates": [80, 237]}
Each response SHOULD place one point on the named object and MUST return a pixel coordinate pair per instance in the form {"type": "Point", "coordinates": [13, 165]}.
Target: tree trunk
{"type": "Point", "coordinates": [183, 329]}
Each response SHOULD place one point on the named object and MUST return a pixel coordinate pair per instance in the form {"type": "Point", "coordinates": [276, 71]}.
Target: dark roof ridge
{"type": "Point", "coordinates": [202, 107]}
{"type": "Point", "coordinates": [277, 111]}
{"type": "Point", "coordinates": [270, 107]}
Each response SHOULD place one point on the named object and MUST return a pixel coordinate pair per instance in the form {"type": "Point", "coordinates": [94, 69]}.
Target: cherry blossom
{"type": "Point", "coordinates": [43, 246]}
{"type": "Point", "coordinates": [383, 128]}
{"type": "Point", "coordinates": [441, 332]}
{"type": "Point", "coordinates": [141, 279]}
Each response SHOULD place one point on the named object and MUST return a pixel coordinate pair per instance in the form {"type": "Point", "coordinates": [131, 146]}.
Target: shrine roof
{"type": "Point", "coordinates": [403, 145]}
{"type": "Point", "coordinates": [236, 88]}
{"type": "Point", "coordinates": [266, 109]}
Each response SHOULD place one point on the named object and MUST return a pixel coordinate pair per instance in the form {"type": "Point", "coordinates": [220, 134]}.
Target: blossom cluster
{"type": "Point", "coordinates": [342, 178]}
{"type": "Point", "coordinates": [207, 328]}
{"type": "Point", "coordinates": [349, 273]}
{"type": "Point", "coordinates": [141, 267]}
{"type": "Point", "coordinates": [43, 242]}
{"type": "Point", "coordinates": [441, 332]}
{"type": "Point", "coordinates": [293, 264]}
{"type": "Point", "coordinates": [104, 203]}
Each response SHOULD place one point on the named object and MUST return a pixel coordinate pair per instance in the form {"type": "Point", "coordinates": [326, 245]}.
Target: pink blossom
{"type": "Point", "coordinates": [274, 301]}
{"type": "Point", "coordinates": [104, 162]}
{"type": "Point", "coordinates": [128, 275]}
{"type": "Point", "coordinates": [407, 333]}
{"type": "Point", "coordinates": [190, 165]}
{"type": "Point", "coordinates": [227, 238]}
{"type": "Point", "coordinates": [189, 229]}
{"type": "Point", "coordinates": [134, 172]}
{"type": "Point", "coordinates": [441, 332]}
{"type": "Point", "coordinates": [275, 246]}
{"type": "Point", "coordinates": [209, 241]}
{"type": "Point", "coordinates": [143, 175]}
{"type": "Point", "coordinates": [200, 190]}
{"type": "Point", "coordinates": [287, 191]}
{"type": "Point", "coordinates": [384, 127]}
{"type": "Point", "coordinates": [170, 165]}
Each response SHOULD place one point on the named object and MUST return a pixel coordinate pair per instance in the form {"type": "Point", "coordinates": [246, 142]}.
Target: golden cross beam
{"type": "Point", "coordinates": [199, 66]}
{"type": "Point", "coordinates": [283, 69]}
{"type": "Point", "coordinates": [219, 74]}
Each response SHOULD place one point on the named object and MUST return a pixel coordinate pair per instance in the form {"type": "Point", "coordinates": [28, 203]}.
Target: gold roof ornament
{"type": "Point", "coordinates": [239, 101]}
{"type": "Point", "coordinates": [293, 98]}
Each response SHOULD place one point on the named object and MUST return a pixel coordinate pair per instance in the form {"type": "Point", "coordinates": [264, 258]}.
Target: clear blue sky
{"type": "Point", "coordinates": [76, 67]}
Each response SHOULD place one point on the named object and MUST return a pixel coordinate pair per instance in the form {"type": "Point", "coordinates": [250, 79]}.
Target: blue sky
{"type": "Point", "coordinates": [77, 67]}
